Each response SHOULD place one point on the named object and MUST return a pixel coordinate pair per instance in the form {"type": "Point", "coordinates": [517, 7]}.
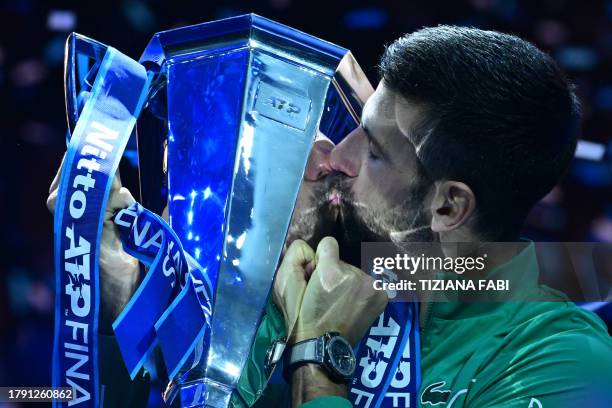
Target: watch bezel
{"type": "Point", "coordinates": [333, 366]}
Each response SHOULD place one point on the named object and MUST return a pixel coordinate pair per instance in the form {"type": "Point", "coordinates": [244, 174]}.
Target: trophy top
{"type": "Point", "coordinates": [245, 31]}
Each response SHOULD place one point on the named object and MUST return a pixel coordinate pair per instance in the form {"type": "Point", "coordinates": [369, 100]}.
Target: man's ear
{"type": "Point", "coordinates": [452, 205]}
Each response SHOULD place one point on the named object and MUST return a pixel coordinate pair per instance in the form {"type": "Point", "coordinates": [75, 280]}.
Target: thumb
{"type": "Point", "coordinates": [328, 251]}
{"type": "Point", "coordinates": [119, 197]}
{"type": "Point", "coordinates": [118, 200]}
{"type": "Point", "coordinates": [116, 186]}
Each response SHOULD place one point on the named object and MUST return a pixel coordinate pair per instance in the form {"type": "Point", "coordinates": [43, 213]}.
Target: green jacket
{"type": "Point", "coordinates": [525, 354]}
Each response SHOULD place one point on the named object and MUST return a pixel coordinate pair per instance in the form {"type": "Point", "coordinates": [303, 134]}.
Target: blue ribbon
{"type": "Point", "coordinates": [151, 316]}
{"type": "Point", "coordinates": [388, 366]}
{"type": "Point", "coordinates": [184, 324]}
{"type": "Point", "coordinates": [93, 155]}
{"type": "Point", "coordinates": [146, 237]}
{"type": "Point", "coordinates": [172, 306]}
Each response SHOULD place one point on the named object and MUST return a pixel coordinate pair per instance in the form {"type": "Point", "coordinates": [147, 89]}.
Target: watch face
{"type": "Point", "coordinates": [341, 356]}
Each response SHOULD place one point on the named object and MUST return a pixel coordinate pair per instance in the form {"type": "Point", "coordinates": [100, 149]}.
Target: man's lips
{"type": "Point", "coordinates": [334, 198]}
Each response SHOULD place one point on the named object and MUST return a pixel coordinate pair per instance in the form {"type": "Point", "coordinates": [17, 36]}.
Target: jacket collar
{"type": "Point", "coordinates": [522, 273]}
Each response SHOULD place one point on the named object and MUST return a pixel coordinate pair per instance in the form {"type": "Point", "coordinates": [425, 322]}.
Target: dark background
{"type": "Point", "coordinates": [578, 34]}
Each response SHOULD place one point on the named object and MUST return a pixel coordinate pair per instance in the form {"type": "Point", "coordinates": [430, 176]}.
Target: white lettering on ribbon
{"type": "Point", "coordinates": [78, 260]}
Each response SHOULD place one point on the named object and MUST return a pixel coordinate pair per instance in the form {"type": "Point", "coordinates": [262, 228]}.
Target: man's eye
{"type": "Point", "coordinates": [371, 153]}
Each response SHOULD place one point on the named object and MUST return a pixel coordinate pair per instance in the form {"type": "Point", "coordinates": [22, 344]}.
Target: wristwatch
{"type": "Point", "coordinates": [331, 352]}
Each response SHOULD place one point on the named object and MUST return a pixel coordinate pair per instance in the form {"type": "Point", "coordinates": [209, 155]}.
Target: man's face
{"type": "Point", "coordinates": [313, 216]}
{"type": "Point", "coordinates": [370, 186]}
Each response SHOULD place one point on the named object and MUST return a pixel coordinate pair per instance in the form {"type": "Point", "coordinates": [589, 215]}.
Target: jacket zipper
{"type": "Point", "coordinates": [426, 320]}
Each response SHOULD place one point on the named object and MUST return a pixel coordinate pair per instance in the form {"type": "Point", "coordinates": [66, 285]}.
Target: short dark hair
{"type": "Point", "coordinates": [500, 116]}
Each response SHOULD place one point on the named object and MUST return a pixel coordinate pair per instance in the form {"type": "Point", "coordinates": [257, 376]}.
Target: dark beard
{"type": "Point", "coordinates": [356, 224]}
{"type": "Point", "coordinates": [348, 229]}
{"type": "Point", "coordinates": [351, 224]}
{"type": "Point", "coordinates": [315, 221]}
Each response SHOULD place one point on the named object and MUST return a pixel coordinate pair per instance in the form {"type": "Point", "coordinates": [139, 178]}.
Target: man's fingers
{"type": "Point", "coordinates": [55, 183]}
{"type": "Point", "coordinates": [309, 268]}
{"type": "Point", "coordinates": [166, 214]}
{"type": "Point", "coordinates": [328, 251]}
{"type": "Point", "coordinates": [124, 198]}
{"type": "Point", "coordinates": [51, 200]}
{"type": "Point", "coordinates": [116, 186]}
{"type": "Point", "coordinates": [299, 255]}
{"type": "Point", "coordinates": [120, 199]}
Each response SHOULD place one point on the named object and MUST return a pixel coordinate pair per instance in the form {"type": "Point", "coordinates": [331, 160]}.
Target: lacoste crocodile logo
{"type": "Point", "coordinates": [433, 395]}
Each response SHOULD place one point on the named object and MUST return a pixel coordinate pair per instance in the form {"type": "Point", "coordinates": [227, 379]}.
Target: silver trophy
{"type": "Point", "coordinates": [223, 142]}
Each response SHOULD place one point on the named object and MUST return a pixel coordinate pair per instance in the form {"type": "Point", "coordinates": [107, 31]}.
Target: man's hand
{"type": "Point", "coordinates": [291, 279]}
{"type": "Point", "coordinates": [119, 271]}
{"type": "Point", "coordinates": [339, 298]}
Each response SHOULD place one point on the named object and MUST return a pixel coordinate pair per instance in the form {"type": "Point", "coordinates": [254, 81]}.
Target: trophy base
{"type": "Point", "coordinates": [203, 393]}
{"type": "Point", "coordinates": [217, 395]}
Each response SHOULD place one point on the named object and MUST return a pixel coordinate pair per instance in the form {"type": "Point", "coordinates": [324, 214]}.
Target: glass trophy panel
{"type": "Point", "coordinates": [204, 118]}
{"type": "Point", "coordinates": [283, 104]}
{"type": "Point", "coordinates": [337, 121]}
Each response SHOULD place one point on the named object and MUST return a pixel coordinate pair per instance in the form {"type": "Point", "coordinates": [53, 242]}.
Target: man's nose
{"type": "Point", "coordinates": [346, 156]}
{"type": "Point", "coordinates": [318, 162]}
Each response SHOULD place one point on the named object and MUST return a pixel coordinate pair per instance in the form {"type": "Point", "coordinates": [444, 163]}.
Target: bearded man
{"type": "Point", "coordinates": [466, 131]}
